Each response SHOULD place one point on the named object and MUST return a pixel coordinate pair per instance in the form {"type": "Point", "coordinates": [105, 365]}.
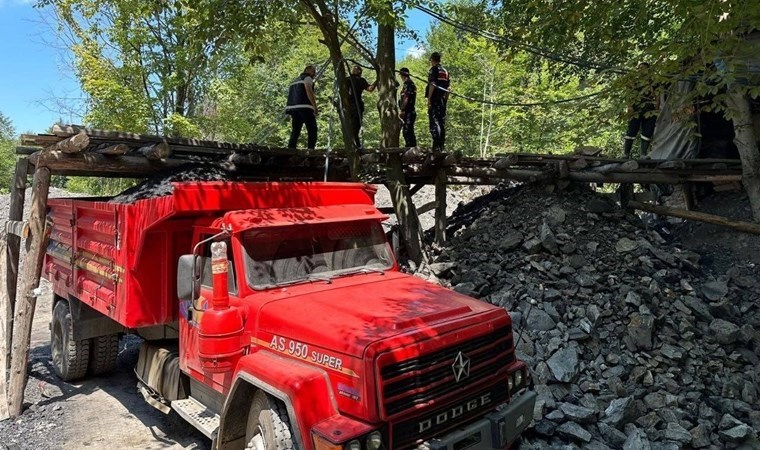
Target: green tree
{"type": "Point", "coordinates": [8, 143]}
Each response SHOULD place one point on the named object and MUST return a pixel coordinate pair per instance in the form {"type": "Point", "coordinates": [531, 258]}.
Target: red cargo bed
{"type": "Point", "coordinates": [120, 259]}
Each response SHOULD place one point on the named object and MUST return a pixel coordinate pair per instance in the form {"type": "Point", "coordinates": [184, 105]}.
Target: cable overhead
{"type": "Point", "coordinates": [508, 104]}
{"type": "Point", "coordinates": [527, 47]}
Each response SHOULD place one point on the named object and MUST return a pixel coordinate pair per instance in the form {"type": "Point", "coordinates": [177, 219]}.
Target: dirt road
{"type": "Point", "coordinates": [98, 413]}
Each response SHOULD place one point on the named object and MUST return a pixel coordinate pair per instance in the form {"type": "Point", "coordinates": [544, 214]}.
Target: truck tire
{"type": "Point", "coordinates": [70, 357]}
{"type": "Point", "coordinates": [105, 350]}
{"type": "Point", "coordinates": [268, 425]}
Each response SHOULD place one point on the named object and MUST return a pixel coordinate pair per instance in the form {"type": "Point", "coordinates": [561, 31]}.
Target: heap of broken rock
{"type": "Point", "coordinates": [631, 342]}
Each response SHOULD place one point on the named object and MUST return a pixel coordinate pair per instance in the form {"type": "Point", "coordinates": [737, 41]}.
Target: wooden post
{"type": "Point", "coordinates": [6, 315]}
{"type": "Point", "coordinates": [746, 227]}
{"type": "Point", "coordinates": [747, 146]}
{"type": "Point", "coordinates": [440, 206]}
{"type": "Point", "coordinates": [26, 302]}
{"type": "Point", "coordinates": [18, 191]}
{"type": "Point", "coordinates": [406, 214]}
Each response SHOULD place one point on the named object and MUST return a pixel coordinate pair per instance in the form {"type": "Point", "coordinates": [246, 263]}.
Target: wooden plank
{"type": "Point", "coordinates": [6, 316]}
{"type": "Point", "coordinates": [745, 227]}
{"type": "Point", "coordinates": [427, 207]}
{"type": "Point", "coordinates": [30, 279]}
{"type": "Point", "coordinates": [26, 150]}
{"type": "Point", "coordinates": [73, 144]}
{"type": "Point", "coordinates": [440, 207]}
{"type": "Point", "coordinates": [94, 164]}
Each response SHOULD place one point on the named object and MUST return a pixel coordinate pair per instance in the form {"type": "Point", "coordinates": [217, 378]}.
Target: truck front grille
{"type": "Point", "coordinates": [427, 379]}
{"type": "Point", "coordinates": [412, 432]}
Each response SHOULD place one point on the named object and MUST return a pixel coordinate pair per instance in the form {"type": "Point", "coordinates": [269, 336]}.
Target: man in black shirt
{"type": "Point", "coordinates": [437, 96]}
{"type": "Point", "coordinates": [302, 108]}
{"type": "Point", "coordinates": [356, 87]}
{"type": "Point", "coordinates": [407, 112]}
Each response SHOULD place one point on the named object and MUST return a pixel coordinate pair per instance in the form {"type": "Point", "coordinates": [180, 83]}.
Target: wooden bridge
{"type": "Point", "coordinates": [76, 151]}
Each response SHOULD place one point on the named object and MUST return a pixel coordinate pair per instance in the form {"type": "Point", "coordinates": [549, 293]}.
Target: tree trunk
{"type": "Point", "coordinates": [390, 126]}
{"type": "Point", "coordinates": [747, 146]}
{"type": "Point", "coordinates": [387, 105]}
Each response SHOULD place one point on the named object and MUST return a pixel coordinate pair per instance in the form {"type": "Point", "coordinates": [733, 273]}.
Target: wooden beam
{"type": "Point", "coordinates": [19, 228]}
{"type": "Point", "coordinates": [26, 150]}
{"type": "Point", "coordinates": [156, 152]}
{"type": "Point", "coordinates": [440, 207]}
{"type": "Point", "coordinates": [94, 164]}
{"type": "Point", "coordinates": [73, 144]}
{"type": "Point", "coordinates": [426, 208]}
{"type": "Point", "coordinates": [745, 227]}
{"type": "Point", "coordinates": [115, 149]}
{"type": "Point", "coordinates": [416, 188]}
{"type": "Point", "coordinates": [406, 213]}
{"type": "Point", "coordinates": [6, 317]}
{"type": "Point", "coordinates": [30, 279]}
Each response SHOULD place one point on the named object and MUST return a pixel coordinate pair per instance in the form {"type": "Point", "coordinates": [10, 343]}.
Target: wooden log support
{"type": "Point", "coordinates": [6, 316]}
{"type": "Point", "coordinates": [626, 167]}
{"type": "Point", "coordinates": [505, 162]}
{"type": "Point", "coordinates": [440, 207]}
{"type": "Point", "coordinates": [245, 159]}
{"type": "Point", "coordinates": [416, 188]}
{"type": "Point", "coordinates": [94, 164]}
{"type": "Point", "coordinates": [18, 228]}
{"type": "Point", "coordinates": [116, 149]}
{"type": "Point", "coordinates": [27, 300]}
{"type": "Point", "coordinates": [73, 144]}
{"type": "Point", "coordinates": [156, 152]}
{"type": "Point", "coordinates": [746, 227]}
{"type": "Point", "coordinates": [13, 249]}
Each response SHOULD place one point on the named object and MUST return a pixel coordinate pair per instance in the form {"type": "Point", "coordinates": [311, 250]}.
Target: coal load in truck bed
{"type": "Point", "coordinates": [161, 185]}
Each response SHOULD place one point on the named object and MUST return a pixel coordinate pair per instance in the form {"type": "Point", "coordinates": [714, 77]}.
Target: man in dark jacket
{"type": "Point", "coordinates": [643, 114]}
{"type": "Point", "coordinates": [356, 87]}
{"type": "Point", "coordinates": [406, 103]}
{"type": "Point", "coordinates": [302, 107]}
{"type": "Point", "coordinates": [437, 96]}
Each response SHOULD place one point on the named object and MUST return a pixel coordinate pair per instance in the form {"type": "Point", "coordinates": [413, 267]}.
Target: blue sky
{"type": "Point", "coordinates": [32, 72]}
{"type": "Point", "coordinates": [37, 86]}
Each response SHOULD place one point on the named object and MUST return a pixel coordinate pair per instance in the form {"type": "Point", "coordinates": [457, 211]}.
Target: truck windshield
{"type": "Point", "coordinates": [298, 253]}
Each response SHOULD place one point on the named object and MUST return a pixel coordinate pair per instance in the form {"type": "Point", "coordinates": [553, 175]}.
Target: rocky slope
{"type": "Point", "coordinates": [632, 343]}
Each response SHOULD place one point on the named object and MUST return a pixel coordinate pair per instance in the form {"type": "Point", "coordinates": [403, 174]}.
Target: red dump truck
{"type": "Point", "coordinates": [274, 316]}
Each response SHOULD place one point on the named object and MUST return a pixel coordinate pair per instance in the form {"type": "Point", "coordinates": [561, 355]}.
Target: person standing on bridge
{"type": "Point", "coordinates": [407, 112]}
{"type": "Point", "coordinates": [356, 87]}
{"type": "Point", "coordinates": [437, 94]}
{"type": "Point", "coordinates": [302, 108]}
{"type": "Point", "coordinates": [643, 113]}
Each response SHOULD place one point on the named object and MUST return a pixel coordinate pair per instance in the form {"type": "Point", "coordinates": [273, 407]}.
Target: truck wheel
{"type": "Point", "coordinates": [70, 357]}
{"type": "Point", "coordinates": [105, 350]}
{"type": "Point", "coordinates": [268, 425]}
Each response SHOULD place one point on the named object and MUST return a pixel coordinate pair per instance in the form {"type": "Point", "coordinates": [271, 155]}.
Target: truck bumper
{"type": "Point", "coordinates": [495, 431]}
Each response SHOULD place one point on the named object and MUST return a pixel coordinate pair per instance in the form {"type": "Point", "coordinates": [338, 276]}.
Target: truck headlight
{"type": "Point", "coordinates": [511, 382]}
{"type": "Point", "coordinates": [374, 441]}
{"type": "Point", "coordinates": [354, 445]}
{"type": "Point", "coordinates": [518, 378]}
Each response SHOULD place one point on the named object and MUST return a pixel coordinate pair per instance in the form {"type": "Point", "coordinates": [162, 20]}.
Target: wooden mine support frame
{"type": "Point", "coordinates": [76, 151]}
{"type": "Point", "coordinates": [29, 281]}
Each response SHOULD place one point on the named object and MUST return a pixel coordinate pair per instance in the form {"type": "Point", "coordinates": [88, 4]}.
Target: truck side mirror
{"type": "Point", "coordinates": [189, 271]}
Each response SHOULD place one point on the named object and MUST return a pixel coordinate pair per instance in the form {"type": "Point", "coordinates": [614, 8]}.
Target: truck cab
{"type": "Point", "coordinates": [289, 324]}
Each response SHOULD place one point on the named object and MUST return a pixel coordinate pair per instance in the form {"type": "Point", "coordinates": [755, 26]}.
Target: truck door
{"type": "Point", "coordinates": [191, 313]}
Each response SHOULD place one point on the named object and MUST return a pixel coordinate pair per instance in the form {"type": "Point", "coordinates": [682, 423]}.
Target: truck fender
{"type": "Point", "coordinates": [304, 389]}
{"type": "Point", "coordinates": [88, 323]}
